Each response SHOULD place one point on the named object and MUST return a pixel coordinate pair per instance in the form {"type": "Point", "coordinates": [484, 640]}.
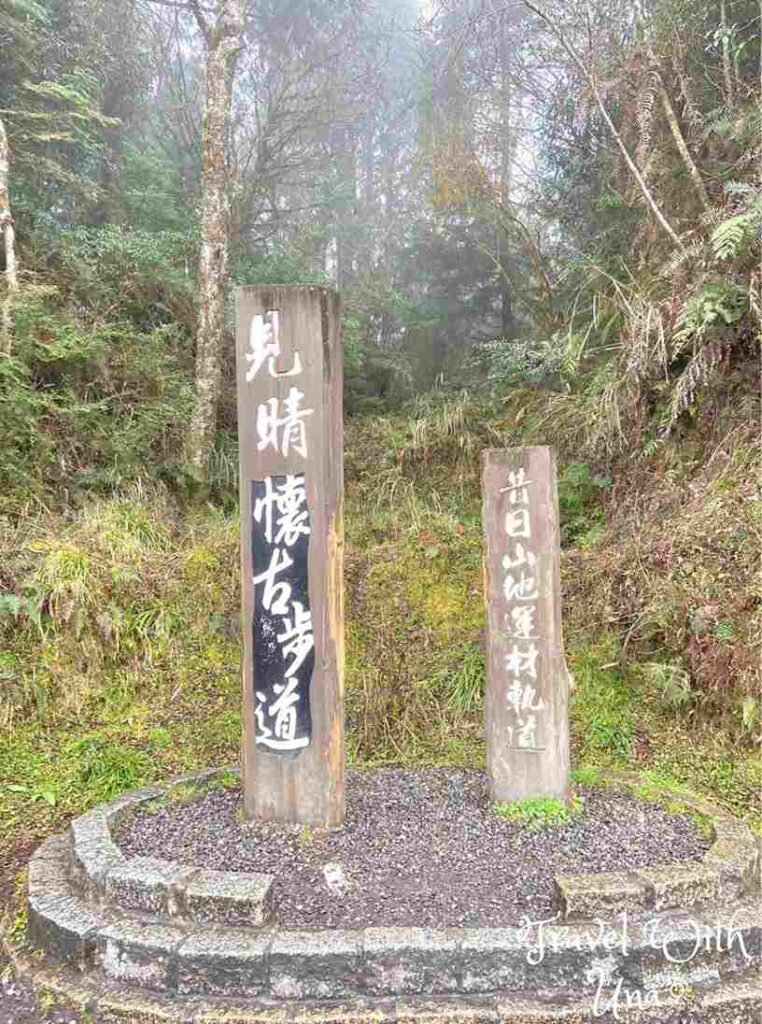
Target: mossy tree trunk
{"type": "Point", "coordinates": [8, 236]}
{"type": "Point", "coordinates": [223, 42]}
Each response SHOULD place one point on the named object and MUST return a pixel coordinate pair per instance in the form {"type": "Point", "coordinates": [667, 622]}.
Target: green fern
{"type": "Point", "coordinates": [723, 631]}
{"type": "Point", "coordinates": [733, 237]}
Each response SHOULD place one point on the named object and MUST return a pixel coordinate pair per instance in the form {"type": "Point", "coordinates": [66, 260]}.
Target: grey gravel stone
{"type": "Point", "coordinates": [681, 885]}
{"type": "Point", "coordinates": [736, 1004]}
{"type": "Point", "coordinates": [587, 897]}
{"type": "Point", "coordinates": [733, 828]}
{"type": "Point", "coordinates": [93, 851]}
{"type": "Point", "coordinates": [738, 864]}
{"type": "Point", "coordinates": [737, 932]}
{"type": "Point", "coordinates": [415, 961]}
{"type": "Point", "coordinates": [417, 848]}
{"type": "Point", "coordinates": [142, 953]}
{"type": "Point", "coordinates": [48, 873]}
{"type": "Point", "coordinates": [150, 884]}
{"type": "Point", "coordinates": [316, 966]}
{"type": "Point", "coordinates": [494, 959]}
{"type": "Point", "coordinates": [54, 848]}
{"type": "Point", "coordinates": [91, 827]}
{"type": "Point", "coordinates": [63, 927]}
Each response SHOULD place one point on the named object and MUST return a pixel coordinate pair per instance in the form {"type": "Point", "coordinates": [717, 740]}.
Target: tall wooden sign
{"type": "Point", "coordinates": [527, 694]}
{"type": "Point", "coordinates": [289, 367]}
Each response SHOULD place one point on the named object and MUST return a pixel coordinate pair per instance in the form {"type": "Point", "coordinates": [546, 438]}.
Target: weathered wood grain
{"type": "Point", "coordinates": [302, 785]}
{"type": "Point", "coordinates": [527, 697]}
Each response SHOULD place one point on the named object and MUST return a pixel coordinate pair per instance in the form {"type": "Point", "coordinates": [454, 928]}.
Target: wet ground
{"type": "Point", "coordinates": [417, 848]}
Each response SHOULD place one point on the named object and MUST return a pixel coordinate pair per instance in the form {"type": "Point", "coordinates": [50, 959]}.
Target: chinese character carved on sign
{"type": "Point", "coordinates": [285, 431]}
{"type": "Point", "coordinates": [527, 684]}
{"type": "Point", "coordinates": [289, 350]}
{"type": "Point", "coordinates": [264, 347]}
{"type": "Point", "coordinates": [283, 640]}
{"type": "Point", "coordinates": [521, 594]}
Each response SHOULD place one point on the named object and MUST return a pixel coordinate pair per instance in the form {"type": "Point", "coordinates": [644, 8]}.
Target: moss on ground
{"type": "Point", "coordinates": [120, 626]}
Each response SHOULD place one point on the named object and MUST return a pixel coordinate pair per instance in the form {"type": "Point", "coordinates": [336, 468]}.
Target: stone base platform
{"type": "Point", "coordinates": [104, 1002]}
{"type": "Point", "coordinates": [143, 940]}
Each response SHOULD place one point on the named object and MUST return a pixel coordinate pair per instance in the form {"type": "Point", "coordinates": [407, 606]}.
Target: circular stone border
{"type": "Point", "coordinates": [729, 870]}
{"type": "Point", "coordinates": [158, 943]}
{"type": "Point", "coordinates": [164, 887]}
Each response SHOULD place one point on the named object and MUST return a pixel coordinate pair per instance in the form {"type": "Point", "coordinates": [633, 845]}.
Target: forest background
{"type": "Point", "coordinates": [545, 225]}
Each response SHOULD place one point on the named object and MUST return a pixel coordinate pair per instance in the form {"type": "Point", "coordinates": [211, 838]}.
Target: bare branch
{"type": "Point", "coordinates": [200, 17]}
{"type": "Point", "coordinates": [589, 77]}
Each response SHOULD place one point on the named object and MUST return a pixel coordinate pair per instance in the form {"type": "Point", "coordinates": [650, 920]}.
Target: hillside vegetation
{"type": "Point", "coordinates": [121, 633]}
{"type": "Point", "coordinates": [613, 314]}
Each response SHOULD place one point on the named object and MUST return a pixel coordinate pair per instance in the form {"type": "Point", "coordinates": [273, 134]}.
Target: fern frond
{"type": "Point", "coordinates": [733, 236]}
{"type": "Point", "coordinates": [694, 376]}
{"type": "Point", "coordinates": [730, 236]}
{"type": "Point", "coordinates": [693, 251]}
{"type": "Point", "coordinates": [644, 110]}
{"type": "Point", "coordinates": [691, 114]}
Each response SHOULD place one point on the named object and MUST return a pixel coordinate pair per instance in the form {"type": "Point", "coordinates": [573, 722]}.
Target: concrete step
{"type": "Point", "coordinates": [736, 1001]}
{"type": "Point", "coordinates": [711, 950]}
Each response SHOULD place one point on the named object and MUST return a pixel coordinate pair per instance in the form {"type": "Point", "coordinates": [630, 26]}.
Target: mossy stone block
{"type": "Point", "coordinates": [588, 897]}
{"type": "Point", "coordinates": [682, 884]}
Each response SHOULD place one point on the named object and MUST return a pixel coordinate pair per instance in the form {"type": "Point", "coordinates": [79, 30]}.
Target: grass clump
{"type": "Point", "coordinates": [540, 812]}
{"type": "Point", "coordinates": [587, 775]}
{"type": "Point", "coordinates": [602, 712]}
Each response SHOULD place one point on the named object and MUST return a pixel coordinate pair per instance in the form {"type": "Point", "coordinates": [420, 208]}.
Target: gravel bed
{"type": "Point", "coordinates": [417, 848]}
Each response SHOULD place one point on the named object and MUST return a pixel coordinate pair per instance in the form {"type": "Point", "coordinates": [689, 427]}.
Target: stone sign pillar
{"type": "Point", "coordinates": [527, 698]}
{"type": "Point", "coordinates": [289, 368]}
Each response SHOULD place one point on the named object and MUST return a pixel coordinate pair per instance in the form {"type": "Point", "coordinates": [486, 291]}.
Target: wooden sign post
{"type": "Point", "coordinates": [527, 697]}
{"type": "Point", "coordinates": [289, 366]}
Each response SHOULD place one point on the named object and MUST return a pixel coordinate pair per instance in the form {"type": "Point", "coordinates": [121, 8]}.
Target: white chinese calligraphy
{"type": "Point", "coordinates": [284, 649]}
{"type": "Point", "coordinates": [520, 590]}
{"type": "Point", "coordinates": [264, 347]}
{"type": "Point", "coordinates": [285, 431]}
{"type": "Point", "coordinates": [283, 638]}
{"type": "Point", "coordinates": [292, 520]}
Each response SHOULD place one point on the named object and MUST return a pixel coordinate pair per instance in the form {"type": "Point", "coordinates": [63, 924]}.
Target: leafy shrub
{"type": "Point", "coordinates": [87, 408]}
{"type": "Point", "coordinates": [579, 502]}
{"type": "Point", "coordinates": [106, 768]}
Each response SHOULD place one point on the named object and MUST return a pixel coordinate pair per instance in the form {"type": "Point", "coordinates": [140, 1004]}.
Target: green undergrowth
{"type": "Point", "coordinates": [538, 813]}
{"type": "Point", "coordinates": [119, 626]}
{"type": "Point", "coordinates": [662, 789]}
{"type": "Point", "coordinates": [652, 786]}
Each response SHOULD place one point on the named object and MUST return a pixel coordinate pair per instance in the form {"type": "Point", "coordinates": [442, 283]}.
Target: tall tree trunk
{"type": "Point", "coordinates": [507, 146]}
{"type": "Point", "coordinates": [8, 235]}
{"type": "Point", "coordinates": [223, 41]}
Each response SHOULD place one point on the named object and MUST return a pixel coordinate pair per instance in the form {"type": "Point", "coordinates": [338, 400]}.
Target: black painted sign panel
{"type": "Point", "coordinates": [283, 641]}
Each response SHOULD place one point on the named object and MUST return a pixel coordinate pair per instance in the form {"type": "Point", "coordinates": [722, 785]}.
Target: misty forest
{"type": "Point", "coordinates": [543, 219]}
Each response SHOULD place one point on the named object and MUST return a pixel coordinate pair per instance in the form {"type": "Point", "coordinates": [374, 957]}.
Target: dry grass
{"type": "Point", "coordinates": [119, 621]}
{"type": "Point", "coordinates": [676, 576]}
